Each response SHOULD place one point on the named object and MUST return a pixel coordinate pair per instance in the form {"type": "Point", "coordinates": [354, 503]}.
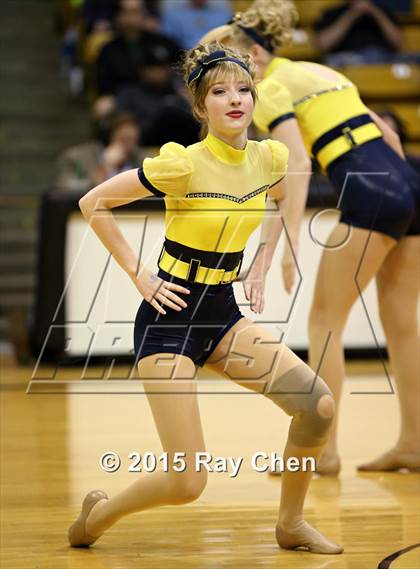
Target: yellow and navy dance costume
{"type": "Point", "coordinates": [215, 197]}
{"type": "Point", "coordinates": [377, 189]}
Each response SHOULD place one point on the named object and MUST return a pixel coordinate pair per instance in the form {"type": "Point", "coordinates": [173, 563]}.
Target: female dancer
{"type": "Point", "coordinates": [215, 193]}
{"type": "Point", "coordinates": [317, 111]}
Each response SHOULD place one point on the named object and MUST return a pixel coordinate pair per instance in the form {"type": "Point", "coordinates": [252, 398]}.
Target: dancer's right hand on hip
{"type": "Point", "coordinates": [156, 291]}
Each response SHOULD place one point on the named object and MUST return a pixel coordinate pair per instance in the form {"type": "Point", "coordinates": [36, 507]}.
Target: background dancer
{"type": "Point", "coordinates": [317, 112]}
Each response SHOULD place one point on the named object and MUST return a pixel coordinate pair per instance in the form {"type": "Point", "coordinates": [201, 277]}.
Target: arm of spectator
{"type": "Point", "coordinates": [390, 30]}
{"type": "Point", "coordinates": [103, 106]}
{"type": "Point", "coordinates": [332, 34]}
{"type": "Point", "coordinates": [114, 157]}
{"type": "Point", "coordinates": [390, 136]}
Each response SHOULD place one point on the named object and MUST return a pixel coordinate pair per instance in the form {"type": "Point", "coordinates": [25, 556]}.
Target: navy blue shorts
{"type": "Point", "coordinates": [194, 331]}
{"type": "Point", "coordinates": [377, 190]}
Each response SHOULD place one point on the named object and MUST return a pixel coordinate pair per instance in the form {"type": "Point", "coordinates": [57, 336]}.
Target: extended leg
{"type": "Point", "coordinates": [342, 274]}
{"type": "Point", "coordinates": [398, 285]}
{"type": "Point", "coordinates": [178, 423]}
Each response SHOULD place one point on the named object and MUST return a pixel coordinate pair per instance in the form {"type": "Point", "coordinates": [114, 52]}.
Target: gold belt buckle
{"type": "Point", "coordinates": [348, 135]}
{"type": "Point", "coordinates": [195, 264]}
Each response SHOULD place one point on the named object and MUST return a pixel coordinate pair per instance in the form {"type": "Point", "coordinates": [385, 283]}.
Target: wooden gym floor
{"type": "Point", "coordinates": [50, 449]}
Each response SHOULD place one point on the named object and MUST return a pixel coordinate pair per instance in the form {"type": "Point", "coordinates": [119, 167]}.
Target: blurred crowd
{"type": "Point", "coordinates": [121, 56]}
{"type": "Point", "coordinates": [361, 32]}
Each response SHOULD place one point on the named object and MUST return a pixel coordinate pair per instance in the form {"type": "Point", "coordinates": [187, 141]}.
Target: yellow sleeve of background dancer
{"type": "Point", "coordinates": [280, 157]}
{"type": "Point", "coordinates": [169, 172]}
{"type": "Point", "coordinates": [273, 106]}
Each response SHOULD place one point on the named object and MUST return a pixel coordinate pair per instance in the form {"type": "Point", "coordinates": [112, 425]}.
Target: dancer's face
{"type": "Point", "coordinates": [229, 105]}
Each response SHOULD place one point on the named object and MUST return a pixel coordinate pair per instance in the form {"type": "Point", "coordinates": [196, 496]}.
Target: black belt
{"type": "Point", "coordinates": [210, 259]}
{"type": "Point", "coordinates": [343, 129]}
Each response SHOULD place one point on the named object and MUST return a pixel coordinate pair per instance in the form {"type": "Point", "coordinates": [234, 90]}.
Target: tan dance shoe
{"type": "Point", "coordinates": [78, 537]}
{"type": "Point", "coordinates": [306, 538]}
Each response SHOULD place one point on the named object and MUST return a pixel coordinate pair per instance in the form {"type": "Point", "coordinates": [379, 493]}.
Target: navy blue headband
{"type": "Point", "coordinates": [210, 61]}
{"type": "Point", "coordinates": [253, 34]}
{"type": "Point", "coordinates": [258, 38]}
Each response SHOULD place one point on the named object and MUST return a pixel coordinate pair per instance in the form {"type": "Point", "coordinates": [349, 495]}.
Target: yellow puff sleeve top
{"type": "Point", "coordinates": [214, 193]}
{"type": "Point", "coordinates": [322, 107]}
{"type": "Point", "coordinates": [169, 173]}
{"type": "Point", "coordinates": [274, 105]}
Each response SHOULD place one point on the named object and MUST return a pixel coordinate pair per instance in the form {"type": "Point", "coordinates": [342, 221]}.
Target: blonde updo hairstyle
{"type": "Point", "coordinates": [272, 19]}
{"type": "Point", "coordinates": [219, 72]}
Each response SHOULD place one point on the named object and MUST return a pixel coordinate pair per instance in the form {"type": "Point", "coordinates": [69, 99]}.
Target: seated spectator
{"type": "Point", "coordinates": [358, 32]}
{"type": "Point", "coordinates": [119, 60]}
{"type": "Point", "coordinates": [84, 166]}
{"type": "Point", "coordinates": [158, 96]}
{"type": "Point", "coordinates": [99, 15]}
{"type": "Point", "coordinates": [174, 122]}
{"type": "Point", "coordinates": [187, 23]}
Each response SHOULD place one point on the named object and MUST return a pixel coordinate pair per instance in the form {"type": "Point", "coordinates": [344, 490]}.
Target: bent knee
{"type": "Point", "coordinates": [326, 406]}
{"type": "Point", "coordinates": [187, 488]}
{"type": "Point", "coordinates": [306, 397]}
{"type": "Point", "coordinates": [312, 426]}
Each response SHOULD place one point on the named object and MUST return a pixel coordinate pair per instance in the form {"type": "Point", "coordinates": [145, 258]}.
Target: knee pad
{"type": "Point", "coordinates": [298, 392]}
